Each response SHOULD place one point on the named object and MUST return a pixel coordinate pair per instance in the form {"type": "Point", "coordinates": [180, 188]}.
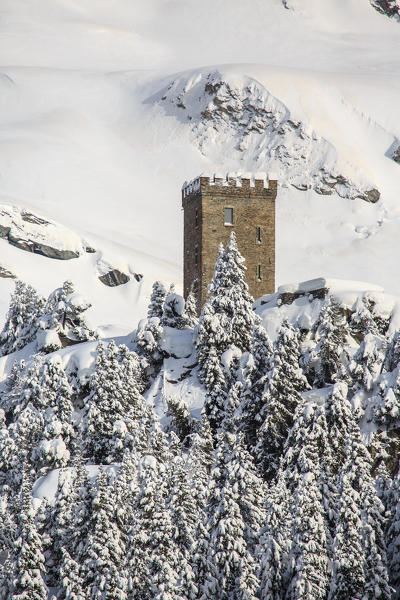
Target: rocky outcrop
{"type": "Point", "coordinates": [390, 8]}
{"type": "Point", "coordinates": [114, 277]}
{"type": "Point", "coordinates": [235, 116]}
{"type": "Point", "coordinates": [6, 274]}
{"type": "Point", "coordinates": [42, 249]}
{"type": "Point", "coordinates": [32, 233]}
{"type": "Point", "coordinates": [396, 154]}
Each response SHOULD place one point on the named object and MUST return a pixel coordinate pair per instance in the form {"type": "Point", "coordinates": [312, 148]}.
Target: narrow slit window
{"type": "Point", "coordinates": [196, 217]}
{"type": "Point", "coordinates": [259, 274]}
{"type": "Point", "coordinates": [258, 234]}
{"type": "Point", "coordinates": [196, 255]}
{"type": "Point", "coordinates": [228, 216]}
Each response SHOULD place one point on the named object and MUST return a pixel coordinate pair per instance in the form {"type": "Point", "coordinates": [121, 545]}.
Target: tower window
{"type": "Point", "coordinates": [258, 234]}
{"type": "Point", "coordinates": [196, 218]}
{"type": "Point", "coordinates": [196, 255]}
{"type": "Point", "coordinates": [228, 216]}
{"type": "Point", "coordinates": [259, 277]}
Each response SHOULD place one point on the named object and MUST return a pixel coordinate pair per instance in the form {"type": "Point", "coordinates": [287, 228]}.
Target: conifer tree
{"type": "Point", "coordinates": [148, 338]}
{"type": "Point", "coordinates": [386, 410]}
{"type": "Point", "coordinates": [157, 298]}
{"type": "Point", "coordinates": [275, 542]}
{"type": "Point", "coordinates": [307, 452]}
{"type": "Point", "coordinates": [359, 547]}
{"type": "Point", "coordinates": [21, 321]}
{"type": "Point", "coordinates": [332, 333]}
{"type": "Point", "coordinates": [190, 313]}
{"type": "Point", "coordinates": [60, 525]}
{"type": "Point", "coordinates": [393, 538]}
{"type": "Point", "coordinates": [174, 312]}
{"type": "Point", "coordinates": [114, 408]}
{"type": "Point", "coordinates": [70, 578]}
{"type": "Point", "coordinates": [229, 318]}
{"type": "Point", "coordinates": [366, 365]}
{"type": "Point", "coordinates": [152, 560]}
{"type": "Point", "coordinates": [281, 397]}
{"type": "Point", "coordinates": [231, 569]}
{"type": "Point", "coordinates": [41, 415]}
{"type": "Point", "coordinates": [255, 374]}
{"type": "Point", "coordinates": [29, 569]}
{"type": "Point", "coordinates": [309, 554]}
{"type": "Point", "coordinates": [105, 547]}
{"type": "Point", "coordinates": [392, 357]}
{"type": "Point", "coordinates": [65, 314]}
{"type": "Point", "coordinates": [340, 420]}
{"type": "Point", "coordinates": [181, 419]}
{"type": "Point", "coordinates": [365, 320]}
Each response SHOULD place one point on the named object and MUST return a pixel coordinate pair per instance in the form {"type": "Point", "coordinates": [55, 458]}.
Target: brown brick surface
{"type": "Point", "coordinates": [253, 207]}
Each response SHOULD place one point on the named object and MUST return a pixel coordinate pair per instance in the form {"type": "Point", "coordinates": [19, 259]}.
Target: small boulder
{"type": "Point", "coordinates": [114, 277]}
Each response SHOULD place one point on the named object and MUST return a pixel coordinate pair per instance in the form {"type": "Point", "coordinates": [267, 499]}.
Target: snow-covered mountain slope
{"type": "Point", "coordinates": [234, 120]}
{"type": "Point", "coordinates": [82, 144]}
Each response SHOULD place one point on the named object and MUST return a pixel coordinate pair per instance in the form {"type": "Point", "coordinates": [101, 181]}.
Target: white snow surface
{"type": "Point", "coordinates": [46, 486]}
{"type": "Point", "coordinates": [86, 141]}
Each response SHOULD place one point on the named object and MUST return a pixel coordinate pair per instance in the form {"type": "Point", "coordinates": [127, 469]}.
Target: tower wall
{"type": "Point", "coordinates": [253, 202]}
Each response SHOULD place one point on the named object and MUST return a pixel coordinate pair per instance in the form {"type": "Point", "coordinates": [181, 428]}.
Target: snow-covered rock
{"type": "Point", "coordinates": [237, 117]}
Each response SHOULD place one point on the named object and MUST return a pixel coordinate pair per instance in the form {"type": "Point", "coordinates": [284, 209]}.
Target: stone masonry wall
{"type": "Point", "coordinates": [254, 206]}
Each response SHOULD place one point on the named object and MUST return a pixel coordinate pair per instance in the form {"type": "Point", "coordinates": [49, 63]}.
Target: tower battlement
{"type": "Point", "coordinates": [242, 181]}
{"type": "Point", "coordinates": [214, 206]}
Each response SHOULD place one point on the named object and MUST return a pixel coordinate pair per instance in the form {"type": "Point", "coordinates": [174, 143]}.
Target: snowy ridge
{"type": "Point", "coordinates": [33, 233]}
{"type": "Point", "coordinates": [231, 115]}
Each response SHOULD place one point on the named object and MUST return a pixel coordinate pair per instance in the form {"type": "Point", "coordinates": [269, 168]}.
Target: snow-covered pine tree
{"type": "Point", "coordinates": [28, 568]}
{"type": "Point", "coordinates": [185, 510]}
{"type": "Point", "coordinates": [309, 552]}
{"type": "Point", "coordinates": [340, 420]}
{"type": "Point", "coordinates": [174, 312]}
{"type": "Point", "coordinates": [153, 555]}
{"type": "Point", "coordinates": [230, 566]}
{"type": "Point", "coordinates": [392, 357]}
{"type": "Point", "coordinates": [55, 446]}
{"type": "Point", "coordinates": [306, 469]}
{"type": "Point", "coordinates": [40, 414]}
{"type": "Point", "coordinates": [59, 524]}
{"type": "Point", "coordinates": [393, 537]}
{"type": "Point", "coordinates": [65, 315]}
{"type": "Point", "coordinates": [373, 519]}
{"type": "Point", "coordinates": [71, 582]}
{"type": "Point", "coordinates": [147, 340]}
{"type": "Point", "coordinates": [275, 540]}
{"type": "Point", "coordinates": [157, 298]}
{"type": "Point", "coordinates": [180, 415]}
{"type": "Point", "coordinates": [386, 409]}
{"type": "Point", "coordinates": [104, 566]}
{"type": "Point", "coordinates": [227, 320]}
{"type": "Point", "coordinates": [331, 334]}
{"type": "Point", "coordinates": [366, 365]}
{"type": "Point", "coordinates": [8, 531]}
{"type": "Point", "coordinates": [280, 399]}
{"type": "Point", "coordinates": [360, 568]}
{"type": "Point", "coordinates": [81, 502]}
{"type": "Point", "coordinates": [21, 321]}
{"type": "Point", "coordinates": [348, 558]}
{"type": "Point", "coordinates": [114, 409]}
{"type": "Point", "coordinates": [212, 374]}
{"type": "Point", "coordinates": [254, 375]}
{"type": "Point", "coordinates": [366, 320]}
{"type": "Point", "coordinates": [191, 313]}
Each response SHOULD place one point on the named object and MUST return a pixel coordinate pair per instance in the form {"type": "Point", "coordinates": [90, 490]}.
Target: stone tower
{"type": "Point", "coordinates": [213, 207]}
